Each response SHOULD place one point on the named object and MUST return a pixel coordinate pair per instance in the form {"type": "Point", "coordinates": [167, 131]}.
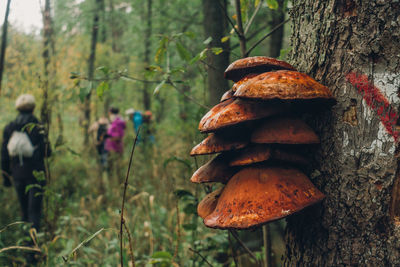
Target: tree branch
{"type": "Point", "coordinates": [265, 36]}
{"type": "Point", "coordinates": [227, 17]}
{"type": "Point", "coordinates": [242, 37]}
{"type": "Point", "coordinates": [252, 17]}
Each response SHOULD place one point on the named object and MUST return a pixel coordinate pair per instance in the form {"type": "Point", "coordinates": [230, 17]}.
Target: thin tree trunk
{"type": "Point", "coordinates": [215, 26]}
{"type": "Point", "coordinates": [4, 42]}
{"type": "Point", "coordinates": [352, 47]}
{"type": "Point", "coordinates": [48, 72]}
{"type": "Point", "coordinates": [91, 62]}
{"type": "Point", "coordinates": [147, 49]}
{"type": "Point", "coordinates": [276, 38]}
{"type": "Point", "coordinates": [242, 37]}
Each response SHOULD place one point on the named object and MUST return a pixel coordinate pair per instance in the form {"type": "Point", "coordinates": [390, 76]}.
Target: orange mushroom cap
{"type": "Point", "coordinates": [283, 84]}
{"type": "Point", "coordinates": [251, 154]}
{"type": "Point", "coordinates": [243, 80]}
{"type": "Point", "coordinates": [234, 111]}
{"type": "Point", "coordinates": [242, 67]}
{"type": "Point", "coordinates": [215, 170]}
{"type": "Point", "coordinates": [284, 130]}
{"type": "Point", "coordinates": [256, 153]}
{"type": "Point", "coordinates": [227, 95]}
{"type": "Point", "coordinates": [261, 194]}
{"type": "Point", "coordinates": [208, 203]}
{"type": "Point", "coordinates": [219, 142]}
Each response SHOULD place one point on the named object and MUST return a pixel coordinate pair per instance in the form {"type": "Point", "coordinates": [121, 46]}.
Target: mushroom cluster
{"type": "Point", "coordinates": [259, 138]}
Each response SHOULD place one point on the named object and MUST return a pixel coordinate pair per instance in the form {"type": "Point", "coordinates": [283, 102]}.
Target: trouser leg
{"type": "Point", "coordinates": [23, 199]}
{"type": "Point", "coordinates": [35, 199]}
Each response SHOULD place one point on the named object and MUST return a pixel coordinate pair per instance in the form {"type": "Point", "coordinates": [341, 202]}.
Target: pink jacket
{"type": "Point", "coordinates": [116, 131]}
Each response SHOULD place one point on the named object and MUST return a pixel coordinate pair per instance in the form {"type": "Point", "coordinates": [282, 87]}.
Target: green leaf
{"type": "Point", "coordinates": [39, 175]}
{"type": "Point", "coordinates": [105, 70]}
{"type": "Point", "coordinates": [177, 70]}
{"type": "Point", "coordinates": [74, 75]}
{"type": "Point", "coordinates": [207, 41]}
{"type": "Point", "coordinates": [162, 48]}
{"type": "Point", "coordinates": [183, 52]}
{"type": "Point", "coordinates": [101, 88]}
{"type": "Point", "coordinates": [217, 50]}
{"type": "Point", "coordinates": [272, 4]}
{"type": "Point", "coordinates": [30, 186]}
{"type": "Point", "coordinates": [225, 39]}
{"type": "Point", "coordinates": [158, 87]}
{"type": "Point", "coordinates": [256, 3]}
{"type": "Point", "coordinates": [29, 127]}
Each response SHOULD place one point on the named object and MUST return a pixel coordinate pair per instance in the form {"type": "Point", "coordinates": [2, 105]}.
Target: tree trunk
{"type": "Point", "coordinates": [146, 60]}
{"type": "Point", "coordinates": [4, 42]}
{"type": "Point", "coordinates": [47, 72]}
{"type": "Point", "coordinates": [215, 26]}
{"type": "Point", "coordinates": [276, 38]}
{"type": "Point", "coordinates": [352, 47]}
{"type": "Point", "coordinates": [91, 62]}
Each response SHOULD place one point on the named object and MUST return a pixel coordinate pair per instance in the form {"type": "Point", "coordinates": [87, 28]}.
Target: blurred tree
{"type": "Point", "coordinates": [91, 61]}
{"type": "Point", "coordinates": [216, 27]}
{"type": "Point", "coordinates": [4, 41]}
{"type": "Point", "coordinates": [147, 50]}
{"type": "Point", "coordinates": [352, 47]}
{"type": "Point", "coordinates": [277, 16]}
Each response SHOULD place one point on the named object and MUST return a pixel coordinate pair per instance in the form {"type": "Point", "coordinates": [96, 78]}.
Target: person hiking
{"type": "Point", "coordinates": [99, 128]}
{"type": "Point", "coordinates": [114, 142]}
{"type": "Point", "coordinates": [22, 153]}
{"type": "Point", "coordinates": [136, 117]}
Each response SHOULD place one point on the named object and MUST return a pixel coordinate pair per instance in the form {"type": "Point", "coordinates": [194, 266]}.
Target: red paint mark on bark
{"type": "Point", "coordinates": [376, 101]}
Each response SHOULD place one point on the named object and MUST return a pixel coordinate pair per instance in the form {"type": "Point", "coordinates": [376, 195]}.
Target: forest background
{"type": "Point", "coordinates": [148, 55]}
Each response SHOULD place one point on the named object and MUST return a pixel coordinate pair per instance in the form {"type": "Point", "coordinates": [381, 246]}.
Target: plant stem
{"type": "Point", "coordinates": [235, 235]}
{"type": "Point", "coordinates": [201, 256]}
{"type": "Point", "coordinates": [124, 196]}
{"type": "Point", "coordinates": [130, 245]}
{"type": "Point", "coordinates": [267, 245]}
{"type": "Point", "coordinates": [234, 254]}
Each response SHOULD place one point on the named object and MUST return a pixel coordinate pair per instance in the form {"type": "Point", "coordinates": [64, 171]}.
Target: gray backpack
{"type": "Point", "coordinates": [20, 145]}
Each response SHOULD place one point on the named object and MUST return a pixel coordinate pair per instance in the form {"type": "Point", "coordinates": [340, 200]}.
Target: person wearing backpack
{"type": "Point", "coordinates": [22, 153]}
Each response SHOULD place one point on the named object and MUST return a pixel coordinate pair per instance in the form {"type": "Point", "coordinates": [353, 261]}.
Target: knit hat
{"type": "Point", "coordinates": [25, 102]}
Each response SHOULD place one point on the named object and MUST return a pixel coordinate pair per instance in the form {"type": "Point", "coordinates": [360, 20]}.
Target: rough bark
{"type": "Point", "coordinates": [356, 165]}
{"type": "Point", "coordinates": [4, 42]}
{"type": "Point", "coordinates": [91, 62]}
{"type": "Point", "coordinates": [215, 26]}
